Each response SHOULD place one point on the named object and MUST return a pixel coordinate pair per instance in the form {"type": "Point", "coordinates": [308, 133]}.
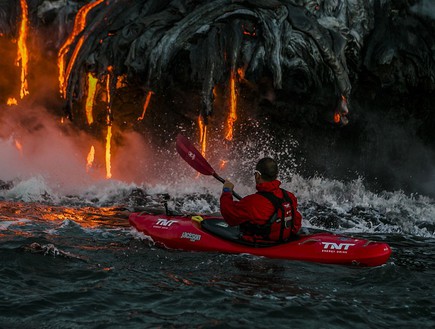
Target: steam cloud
{"type": "Point", "coordinates": [34, 143]}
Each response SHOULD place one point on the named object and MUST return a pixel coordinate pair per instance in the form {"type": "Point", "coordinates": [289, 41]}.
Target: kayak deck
{"type": "Point", "coordinates": [211, 233]}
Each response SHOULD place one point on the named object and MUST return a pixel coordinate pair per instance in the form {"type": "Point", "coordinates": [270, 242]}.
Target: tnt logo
{"type": "Point", "coordinates": [165, 222]}
{"type": "Point", "coordinates": [336, 246]}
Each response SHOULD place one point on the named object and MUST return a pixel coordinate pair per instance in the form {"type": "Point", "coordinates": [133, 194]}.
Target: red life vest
{"type": "Point", "coordinates": [281, 221]}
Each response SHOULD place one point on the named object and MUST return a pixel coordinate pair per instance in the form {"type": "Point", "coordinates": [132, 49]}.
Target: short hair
{"type": "Point", "coordinates": [268, 169]}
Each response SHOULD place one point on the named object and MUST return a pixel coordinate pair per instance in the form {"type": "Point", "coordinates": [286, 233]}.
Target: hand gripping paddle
{"type": "Point", "coordinates": [195, 159]}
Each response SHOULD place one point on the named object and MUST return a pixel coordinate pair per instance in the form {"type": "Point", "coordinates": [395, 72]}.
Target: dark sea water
{"type": "Point", "coordinates": [74, 262]}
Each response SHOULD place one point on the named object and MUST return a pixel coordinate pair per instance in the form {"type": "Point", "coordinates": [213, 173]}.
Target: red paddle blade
{"type": "Point", "coordinates": [192, 156]}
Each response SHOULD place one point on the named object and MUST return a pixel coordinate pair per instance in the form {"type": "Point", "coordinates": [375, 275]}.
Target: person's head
{"type": "Point", "coordinates": [266, 170]}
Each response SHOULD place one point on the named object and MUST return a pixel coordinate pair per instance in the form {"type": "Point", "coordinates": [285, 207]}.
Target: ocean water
{"type": "Point", "coordinates": [73, 261]}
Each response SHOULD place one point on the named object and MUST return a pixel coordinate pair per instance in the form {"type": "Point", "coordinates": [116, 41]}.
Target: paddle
{"type": "Point", "coordinates": [195, 159]}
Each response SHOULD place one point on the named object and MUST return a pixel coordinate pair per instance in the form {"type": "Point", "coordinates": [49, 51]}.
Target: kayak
{"type": "Point", "coordinates": [212, 234]}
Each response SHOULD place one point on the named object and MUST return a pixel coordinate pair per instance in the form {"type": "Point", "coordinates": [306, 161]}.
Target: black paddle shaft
{"type": "Point", "coordinates": [220, 179]}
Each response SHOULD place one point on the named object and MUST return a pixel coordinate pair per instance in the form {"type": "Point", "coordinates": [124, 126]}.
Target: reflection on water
{"type": "Point", "coordinates": [85, 216]}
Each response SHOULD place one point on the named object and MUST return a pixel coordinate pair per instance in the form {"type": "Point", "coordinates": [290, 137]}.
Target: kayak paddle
{"type": "Point", "coordinates": [195, 159]}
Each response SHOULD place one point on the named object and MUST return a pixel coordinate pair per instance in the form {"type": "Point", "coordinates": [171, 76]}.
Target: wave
{"type": "Point", "coordinates": [324, 203]}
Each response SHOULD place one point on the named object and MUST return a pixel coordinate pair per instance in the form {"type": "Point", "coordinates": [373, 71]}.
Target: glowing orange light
{"type": "Point", "coordinates": [223, 163]}
{"type": "Point", "coordinates": [250, 33]}
{"type": "Point", "coordinates": [109, 125]}
{"type": "Point", "coordinates": [121, 81]}
{"type": "Point", "coordinates": [108, 155]}
{"type": "Point", "coordinates": [64, 83]}
{"type": "Point", "coordinates": [79, 26]}
{"type": "Point", "coordinates": [19, 146]}
{"type": "Point", "coordinates": [341, 111]}
{"type": "Point", "coordinates": [108, 89]}
{"type": "Point", "coordinates": [202, 134]}
{"type": "Point", "coordinates": [232, 117]}
{"type": "Point", "coordinates": [90, 158]}
{"type": "Point", "coordinates": [145, 106]}
{"type": "Point", "coordinates": [11, 101]}
{"type": "Point", "coordinates": [241, 73]}
{"type": "Point", "coordinates": [22, 55]}
{"type": "Point", "coordinates": [92, 88]}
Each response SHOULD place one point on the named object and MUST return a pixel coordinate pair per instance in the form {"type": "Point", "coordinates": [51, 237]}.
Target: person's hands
{"type": "Point", "coordinates": [228, 186]}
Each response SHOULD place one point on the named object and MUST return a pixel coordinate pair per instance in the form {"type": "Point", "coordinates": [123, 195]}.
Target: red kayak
{"type": "Point", "coordinates": [211, 233]}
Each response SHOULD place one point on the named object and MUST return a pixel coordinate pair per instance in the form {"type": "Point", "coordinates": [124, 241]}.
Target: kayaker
{"type": "Point", "coordinates": [260, 215]}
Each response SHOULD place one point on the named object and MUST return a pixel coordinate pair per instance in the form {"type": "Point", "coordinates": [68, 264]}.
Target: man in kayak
{"type": "Point", "coordinates": [270, 215]}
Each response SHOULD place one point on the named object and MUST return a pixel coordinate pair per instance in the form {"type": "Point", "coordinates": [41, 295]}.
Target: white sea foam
{"type": "Point", "coordinates": [410, 214]}
{"type": "Point", "coordinates": [5, 225]}
{"type": "Point", "coordinates": [343, 196]}
{"type": "Point", "coordinates": [413, 214]}
{"type": "Point", "coordinates": [27, 190]}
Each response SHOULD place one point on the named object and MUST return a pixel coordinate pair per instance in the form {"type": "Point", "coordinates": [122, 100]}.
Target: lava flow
{"type": "Point", "coordinates": [232, 116]}
{"type": "Point", "coordinates": [22, 55]}
{"type": "Point", "coordinates": [79, 25]}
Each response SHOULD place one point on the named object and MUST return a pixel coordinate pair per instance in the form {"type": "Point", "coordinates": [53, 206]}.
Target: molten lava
{"type": "Point", "coordinates": [92, 88]}
{"type": "Point", "coordinates": [11, 101]}
{"type": "Point", "coordinates": [79, 26]}
{"type": "Point", "coordinates": [22, 54]}
{"type": "Point", "coordinates": [202, 134]}
{"type": "Point", "coordinates": [19, 147]}
{"type": "Point", "coordinates": [232, 117]}
{"type": "Point", "coordinates": [90, 158]}
{"type": "Point", "coordinates": [145, 106]}
{"type": "Point", "coordinates": [109, 123]}
{"type": "Point", "coordinates": [108, 154]}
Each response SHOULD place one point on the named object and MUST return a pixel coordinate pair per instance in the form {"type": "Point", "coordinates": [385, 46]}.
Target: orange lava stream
{"type": "Point", "coordinates": [92, 88]}
{"type": "Point", "coordinates": [63, 80]}
{"type": "Point", "coordinates": [109, 125]}
{"type": "Point", "coordinates": [108, 91]}
{"type": "Point", "coordinates": [79, 26]}
{"type": "Point", "coordinates": [145, 106]}
{"type": "Point", "coordinates": [202, 135]}
{"type": "Point", "coordinates": [19, 147]}
{"type": "Point", "coordinates": [108, 155]}
{"type": "Point", "coordinates": [232, 117]}
{"type": "Point", "coordinates": [22, 55]}
{"type": "Point", "coordinates": [90, 158]}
